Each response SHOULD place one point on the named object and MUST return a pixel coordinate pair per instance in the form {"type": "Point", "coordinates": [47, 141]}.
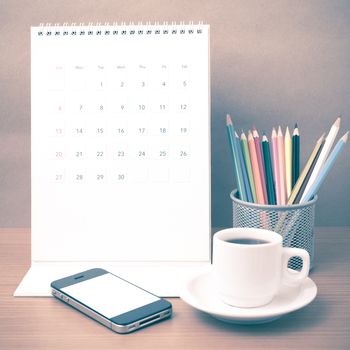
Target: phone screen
{"type": "Point", "coordinates": [109, 295]}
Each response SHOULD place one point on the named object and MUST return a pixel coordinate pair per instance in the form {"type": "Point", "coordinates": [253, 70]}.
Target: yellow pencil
{"type": "Point", "coordinates": [323, 155]}
{"type": "Point", "coordinates": [282, 166]}
{"type": "Point", "coordinates": [307, 167]}
{"type": "Point", "coordinates": [288, 160]}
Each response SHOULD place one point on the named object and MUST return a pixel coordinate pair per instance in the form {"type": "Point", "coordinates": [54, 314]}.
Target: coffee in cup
{"type": "Point", "coordinates": [250, 265]}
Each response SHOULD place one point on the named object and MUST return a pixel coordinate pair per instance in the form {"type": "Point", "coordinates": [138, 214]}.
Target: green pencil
{"type": "Point", "coordinates": [248, 164]}
{"type": "Point", "coordinates": [235, 156]}
{"type": "Point", "coordinates": [268, 171]}
{"type": "Point", "coordinates": [295, 155]}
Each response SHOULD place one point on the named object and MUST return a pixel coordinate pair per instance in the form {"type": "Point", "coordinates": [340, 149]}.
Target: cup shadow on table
{"type": "Point", "coordinates": [307, 318]}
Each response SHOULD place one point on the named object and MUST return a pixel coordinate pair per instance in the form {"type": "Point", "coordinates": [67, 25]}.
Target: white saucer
{"type": "Point", "coordinates": [199, 292]}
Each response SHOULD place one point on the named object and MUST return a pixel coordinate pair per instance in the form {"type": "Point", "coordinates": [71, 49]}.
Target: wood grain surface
{"type": "Point", "coordinates": [45, 323]}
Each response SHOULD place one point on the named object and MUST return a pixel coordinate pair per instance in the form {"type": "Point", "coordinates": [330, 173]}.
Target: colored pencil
{"type": "Point", "coordinates": [270, 187]}
{"type": "Point", "coordinates": [302, 180]}
{"type": "Point", "coordinates": [276, 170]}
{"type": "Point", "coordinates": [255, 167]}
{"type": "Point", "coordinates": [244, 170]}
{"type": "Point", "coordinates": [281, 165]}
{"type": "Point", "coordinates": [234, 150]}
{"type": "Point", "coordinates": [288, 158]}
{"type": "Point", "coordinates": [260, 163]}
{"type": "Point", "coordinates": [326, 167]}
{"type": "Point", "coordinates": [248, 164]}
{"type": "Point", "coordinates": [307, 177]}
{"type": "Point", "coordinates": [323, 156]}
{"type": "Point", "coordinates": [295, 155]}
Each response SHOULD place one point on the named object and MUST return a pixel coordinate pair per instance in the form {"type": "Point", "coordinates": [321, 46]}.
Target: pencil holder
{"type": "Point", "coordinates": [295, 223]}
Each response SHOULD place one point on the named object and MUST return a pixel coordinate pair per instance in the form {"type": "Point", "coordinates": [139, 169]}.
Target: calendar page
{"type": "Point", "coordinates": [120, 143]}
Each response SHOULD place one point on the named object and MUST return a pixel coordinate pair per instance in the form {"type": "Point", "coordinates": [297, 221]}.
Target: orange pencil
{"type": "Point", "coordinates": [255, 167]}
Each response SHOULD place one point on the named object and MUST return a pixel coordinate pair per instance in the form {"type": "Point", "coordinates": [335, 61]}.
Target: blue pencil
{"type": "Point", "coordinates": [234, 149]}
{"type": "Point", "coordinates": [244, 170]}
{"type": "Point", "coordinates": [326, 168]}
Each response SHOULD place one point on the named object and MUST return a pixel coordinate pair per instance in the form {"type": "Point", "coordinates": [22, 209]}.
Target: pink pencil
{"type": "Point", "coordinates": [260, 163]}
{"type": "Point", "coordinates": [255, 167]}
{"type": "Point", "coordinates": [282, 166]}
{"type": "Point", "coordinates": [276, 172]}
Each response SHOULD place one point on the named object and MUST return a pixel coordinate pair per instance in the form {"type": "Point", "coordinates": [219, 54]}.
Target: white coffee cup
{"type": "Point", "coordinates": [249, 274]}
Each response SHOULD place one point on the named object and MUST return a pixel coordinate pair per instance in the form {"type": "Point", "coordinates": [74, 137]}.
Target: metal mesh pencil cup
{"type": "Point", "coordinates": [295, 223]}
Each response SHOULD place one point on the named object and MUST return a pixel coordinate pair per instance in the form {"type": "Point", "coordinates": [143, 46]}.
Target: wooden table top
{"type": "Point", "coordinates": [45, 323]}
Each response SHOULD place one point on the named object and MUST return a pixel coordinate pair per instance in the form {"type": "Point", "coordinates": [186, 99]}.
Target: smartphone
{"type": "Point", "coordinates": [111, 300]}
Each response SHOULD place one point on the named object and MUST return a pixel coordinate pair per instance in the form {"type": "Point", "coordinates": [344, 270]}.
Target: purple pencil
{"type": "Point", "coordinates": [260, 163]}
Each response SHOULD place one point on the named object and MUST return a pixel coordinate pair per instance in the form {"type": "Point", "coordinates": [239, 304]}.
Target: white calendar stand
{"type": "Point", "coordinates": [120, 154]}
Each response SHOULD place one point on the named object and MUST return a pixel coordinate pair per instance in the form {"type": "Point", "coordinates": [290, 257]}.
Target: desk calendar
{"type": "Point", "coordinates": [120, 144]}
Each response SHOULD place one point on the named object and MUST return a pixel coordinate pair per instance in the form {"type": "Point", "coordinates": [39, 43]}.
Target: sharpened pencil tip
{"type": "Point", "coordinates": [337, 122]}
{"type": "Point", "coordinates": [345, 136]}
{"type": "Point", "coordinates": [296, 131]}
{"type": "Point", "coordinates": [296, 126]}
{"type": "Point", "coordinates": [287, 134]}
{"type": "Point", "coordinates": [255, 133]}
{"type": "Point", "coordinates": [322, 137]}
{"type": "Point", "coordinates": [228, 120]}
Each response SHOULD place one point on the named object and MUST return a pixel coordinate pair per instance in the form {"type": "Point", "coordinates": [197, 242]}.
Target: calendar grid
{"type": "Point", "coordinates": [120, 142]}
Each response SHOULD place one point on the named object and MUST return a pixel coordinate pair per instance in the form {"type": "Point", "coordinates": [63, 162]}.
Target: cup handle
{"type": "Point", "coordinates": [295, 278]}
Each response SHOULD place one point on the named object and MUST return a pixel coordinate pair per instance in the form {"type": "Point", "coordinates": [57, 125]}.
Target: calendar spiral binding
{"type": "Point", "coordinates": [121, 28]}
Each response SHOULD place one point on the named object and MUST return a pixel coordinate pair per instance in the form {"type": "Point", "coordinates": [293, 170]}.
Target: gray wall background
{"type": "Point", "coordinates": [272, 62]}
